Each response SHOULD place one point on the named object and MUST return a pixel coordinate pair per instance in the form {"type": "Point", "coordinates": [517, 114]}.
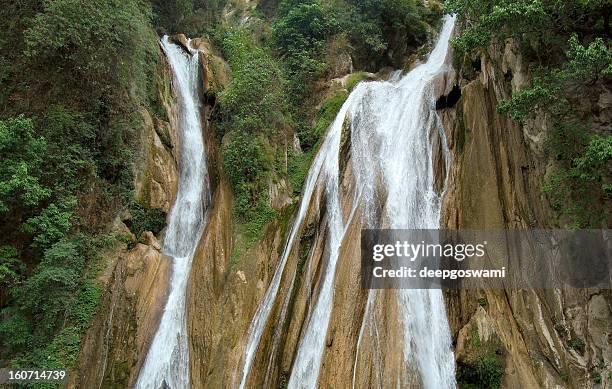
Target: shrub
{"type": "Point", "coordinates": [51, 225]}
{"type": "Point", "coordinates": [374, 26]}
{"type": "Point", "coordinates": [103, 43]}
{"type": "Point", "coordinates": [146, 219]}
{"type": "Point", "coordinates": [577, 344]}
{"type": "Point", "coordinates": [244, 163]}
{"type": "Point", "coordinates": [11, 268]}
{"type": "Point", "coordinates": [485, 372]}
{"type": "Point", "coordinates": [300, 34]}
{"type": "Point", "coordinates": [22, 165]}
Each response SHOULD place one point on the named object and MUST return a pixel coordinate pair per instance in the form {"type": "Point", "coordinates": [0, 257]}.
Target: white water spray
{"type": "Point", "coordinates": [392, 127]}
{"type": "Point", "coordinates": [167, 361]}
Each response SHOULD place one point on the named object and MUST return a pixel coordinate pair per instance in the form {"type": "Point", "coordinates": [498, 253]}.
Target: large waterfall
{"type": "Point", "coordinates": [167, 362]}
{"type": "Point", "coordinates": [393, 124]}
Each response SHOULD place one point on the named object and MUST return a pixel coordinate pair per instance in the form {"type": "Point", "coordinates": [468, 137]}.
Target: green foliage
{"type": "Point", "coordinates": [190, 17]}
{"type": "Point", "coordinates": [242, 159]}
{"type": "Point", "coordinates": [145, 219]}
{"type": "Point", "coordinates": [541, 22]}
{"type": "Point", "coordinates": [577, 344]}
{"type": "Point", "coordinates": [485, 372]}
{"type": "Point", "coordinates": [71, 152]}
{"type": "Point", "coordinates": [578, 183]}
{"type": "Point", "coordinates": [83, 36]}
{"type": "Point", "coordinates": [14, 331]}
{"type": "Point", "coordinates": [55, 304]}
{"type": "Point", "coordinates": [593, 163]}
{"type": "Point", "coordinates": [374, 25]}
{"type": "Point", "coordinates": [298, 169]}
{"type": "Point", "coordinates": [85, 304]}
{"type": "Point", "coordinates": [53, 283]}
{"type": "Point", "coordinates": [527, 101]}
{"type": "Point", "coordinates": [51, 225]}
{"type": "Point", "coordinates": [22, 164]}
{"type": "Point", "coordinates": [254, 102]}
{"type": "Point", "coordinates": [300, 35]}
{"type": "Point", "coordinates": [309, 136]}
{"type": "Point", "coordinates": [245, 165]}
{"type": "Point", "coordinates": [256, 218]}
{"type": "Point", "coordinates": [170, 14]}
{"type": "Point", "coordinates": [584, 66]}
{"type": "Point", "coordinates": [328, 111]}
{"type": "Point", "coordinates": [254, 112]}
{"type": "Point", "coordinates": [79, 71]}
{"type": "Point", "coordinates": [11, 268]}
{"type": "Point", "coordinates": [354, 79]}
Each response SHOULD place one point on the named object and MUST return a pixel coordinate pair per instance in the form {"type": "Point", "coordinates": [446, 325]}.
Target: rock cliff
{"type": "Point", "coordinates": [545, 338]}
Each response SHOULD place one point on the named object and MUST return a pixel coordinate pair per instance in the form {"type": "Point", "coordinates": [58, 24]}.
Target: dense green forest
{"type": "Point", "coordinates": [74, 74]}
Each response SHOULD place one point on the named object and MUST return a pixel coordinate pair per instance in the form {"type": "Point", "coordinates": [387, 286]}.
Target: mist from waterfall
{"type": "Point", "coordinates": [393, 124]}
{"type": "Point", "coordinates": [167, 361]}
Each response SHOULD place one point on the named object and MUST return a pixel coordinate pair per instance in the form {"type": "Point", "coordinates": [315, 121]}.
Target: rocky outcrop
{"type": "Point", "coordinates": [156, 168]}
{"type": "Point", "coordinates": [223, 294]}
{"type": "Point", "coordinates": [156, 178]}
{"type": "Point", "coordinates": [544, 338]}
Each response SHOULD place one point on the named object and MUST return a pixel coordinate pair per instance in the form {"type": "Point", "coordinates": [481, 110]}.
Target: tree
{"type": "Point", "coordinates": [21, 164]}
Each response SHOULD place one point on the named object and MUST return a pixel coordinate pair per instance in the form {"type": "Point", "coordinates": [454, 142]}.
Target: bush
{"type": "Point", "coordinates": [486, 372]}
{"type": "Point", "coordinates": [493, 21]}
{"type": "Point", "coordinates": [22, 165]}
{"type": "Point", "coordinates": [375, 25]}
{"type": "Point", "coordinates": [51, 225]}
{"type": "Point", "coordinates": [244, 164]}
{"type": "Point", "coordinates": [254, 101]}
{"type": "Point", "coordinates": [80, 71]}
{"type": "Point", "coordinates": [300, 34]}
{"type": "Point", "coordinates": [146, 219]}
{"type": "Point", "coordinates": [102, 43]}
{"type": "Point", "coordinates": [299, 165]}
{"type": "Point", "coordinates": [47, 293]}
{"type": "Point", "coordinates": [577, 344]}
{"type": "Point", "coordinates": [11, 268]}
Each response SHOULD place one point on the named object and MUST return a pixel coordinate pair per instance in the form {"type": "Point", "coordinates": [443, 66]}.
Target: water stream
{"type": "Point", "coordinates": [167, 361]}
{"type": "Point", "coordinates": [393, 124]}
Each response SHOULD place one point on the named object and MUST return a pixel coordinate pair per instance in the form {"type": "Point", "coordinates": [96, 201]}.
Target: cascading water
{"type": "Point", "coordinates": [392, 132]}
{"type": "Point", "coordinates": [167, 362]}
{"type": "Point", "coordinates": [392, 126]}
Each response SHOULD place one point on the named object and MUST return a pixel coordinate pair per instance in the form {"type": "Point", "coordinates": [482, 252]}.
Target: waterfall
{"type": "Point", "coordinates": [392, 126]}
{"type": "Point", "coordinates": [167, 361]}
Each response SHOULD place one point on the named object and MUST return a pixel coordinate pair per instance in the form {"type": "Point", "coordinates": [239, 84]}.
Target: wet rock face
{"type": "Point", "coordinates": [545, 338]}
{"type": "Point", "coordinates": [156, 180]}
{"type": "Point", "coordinates": [156, 167]}
{"type": "Point", "coordinates": [114, 347]}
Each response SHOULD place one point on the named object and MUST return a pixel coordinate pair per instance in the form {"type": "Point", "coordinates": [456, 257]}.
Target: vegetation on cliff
{"type": "Point", "coordinates": [278, 57]}
{"type": "Point", "coordinates": [72, 77]}
{"type": "Point", "coordinates": [570, 55]}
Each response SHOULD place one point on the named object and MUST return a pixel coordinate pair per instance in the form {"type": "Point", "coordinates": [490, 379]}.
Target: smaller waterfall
{"type": "Point", "coordinates": [167, 362]}
{"type": "Point", "coordinates": [322, 166]}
